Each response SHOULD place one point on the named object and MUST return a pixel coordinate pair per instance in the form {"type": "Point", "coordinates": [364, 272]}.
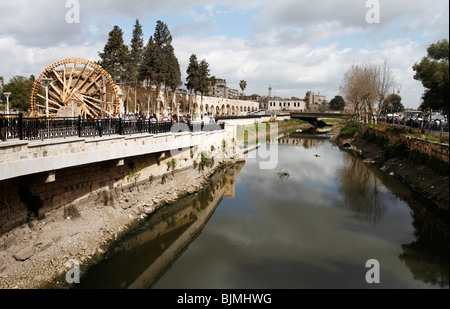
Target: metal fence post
{"type": "Point", "coordinates": [20, 126]}
{"type": "Point", "coordinates": [79, 126]}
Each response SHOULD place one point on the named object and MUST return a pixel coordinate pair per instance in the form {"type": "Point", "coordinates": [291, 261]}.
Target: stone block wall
{"type": "Point", "coordinates": [98, 181]}
{"type": "Point", "coordinates": [433, 149]}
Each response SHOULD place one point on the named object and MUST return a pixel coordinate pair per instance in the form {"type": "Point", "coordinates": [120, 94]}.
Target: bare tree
{"type": "Point", "coordinates": [368, 92]}
{"type": "Point", "coordinates": [349, 88]}
{"type": "Point", "coordinates": [364, 86]}
{"type": "Point", "coordinates": [385, 84]}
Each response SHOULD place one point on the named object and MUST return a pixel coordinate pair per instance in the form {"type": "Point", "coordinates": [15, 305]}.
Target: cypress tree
{"type": "Point", "coordinates": [135, 58]}
{"type": "Point", "coordinates": [136, 53]}
{"type": "Point", "coordinates": [115, 53]}
{"type": "Point", "coordinates": [148, 68]}
{"type": "Point", "coordinates": [193, 73]}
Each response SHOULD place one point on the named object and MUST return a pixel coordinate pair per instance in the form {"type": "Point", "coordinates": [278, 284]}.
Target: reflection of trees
{"type": "Point", "coordinates": [141, 256]}
{"type": "Point", "coordinates": [427, 256]}
{"type": "Point", "coordinates": [361, 190]}
{"type": "Point", "coordinates": [306, 143]}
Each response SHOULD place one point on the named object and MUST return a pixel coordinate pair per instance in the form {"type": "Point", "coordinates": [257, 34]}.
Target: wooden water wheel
{"type": "Point", "coordinates": [77, 81]}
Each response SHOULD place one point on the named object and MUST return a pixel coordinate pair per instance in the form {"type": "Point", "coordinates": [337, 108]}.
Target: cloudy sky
{"type": "Point", "coordinates": [293, 45]}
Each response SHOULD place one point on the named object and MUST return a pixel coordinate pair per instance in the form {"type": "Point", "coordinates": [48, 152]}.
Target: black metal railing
{"type": "Point", "coordinates": [23, 128]}
{"type": "Point", "coordinates": [239, 117]}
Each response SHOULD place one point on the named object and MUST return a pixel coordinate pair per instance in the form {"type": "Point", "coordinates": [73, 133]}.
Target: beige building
{"type": "Point", "coordinates": [220, 90]}
{"type": "Point", "coordinates": [316, 98]}
{"type": "Point", "coordinates": [286, 105]}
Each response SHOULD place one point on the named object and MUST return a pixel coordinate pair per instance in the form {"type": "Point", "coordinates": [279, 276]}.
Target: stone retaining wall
{"type": "Point", "coordinates": [433, 149]}
{"type": "Point", "coordinates": [72, 184]}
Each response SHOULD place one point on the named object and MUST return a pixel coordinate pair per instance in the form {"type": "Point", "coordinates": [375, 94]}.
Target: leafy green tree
{"type": "Point", "coordinates": [20, 88]}
{"type": "Point", "coordinates": [204, 79]}
{"type": "Point", "coordinates": [135, 58]}
{"type": "Point", "coordinates": [173, 78]}
{"type": "Point", "coordinates": [115, 55]}
{"type": "Point", "coordinates": [393, 103]}
{"type": "Point", "coordinates": [337, 104]}
{"type": "Point", "coordinates": [162, 34]}
{"type": "Point", "coordinates": [193, 74]}
{"type": "Point", "coordinates": [433, 72]}
{"type": "Point", "coordinates": [198, 77]}
{"type": "Point", "coordinates": [166, 65]}
{"type": "Point", "coordinates": [148, 69]}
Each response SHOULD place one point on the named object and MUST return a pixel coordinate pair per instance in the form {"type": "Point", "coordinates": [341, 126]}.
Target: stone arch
{"type": "Point", "coordinates": [223, 110]}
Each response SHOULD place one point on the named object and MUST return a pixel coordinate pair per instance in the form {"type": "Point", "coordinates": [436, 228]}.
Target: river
{"type": "Point", "coordinates": [313, 222]}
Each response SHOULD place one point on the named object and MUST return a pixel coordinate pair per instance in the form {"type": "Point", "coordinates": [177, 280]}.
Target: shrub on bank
{"type": "Point", "coordinates": [349, 132]}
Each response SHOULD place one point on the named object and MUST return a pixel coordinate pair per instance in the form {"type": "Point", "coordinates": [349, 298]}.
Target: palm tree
{"type": "Point", "coordinates": [243, 85]}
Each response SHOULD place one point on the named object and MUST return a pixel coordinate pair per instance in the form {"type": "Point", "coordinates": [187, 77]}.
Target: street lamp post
{"type": "Point", "coordinates": [46, 83]}
{"type": "Point", "coordinates": [398, 87]}
{"type": "Point", "coordinates": [7, 94]}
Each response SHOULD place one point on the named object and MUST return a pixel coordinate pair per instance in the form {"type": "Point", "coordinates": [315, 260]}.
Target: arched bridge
{"type": "Point", "coordinates": [313, 118]}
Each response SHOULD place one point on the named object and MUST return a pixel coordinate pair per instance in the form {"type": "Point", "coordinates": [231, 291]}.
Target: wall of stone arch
{"type": "Point", "coordinates": [215, 106]}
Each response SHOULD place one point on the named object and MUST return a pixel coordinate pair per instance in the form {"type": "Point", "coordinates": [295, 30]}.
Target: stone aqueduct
{"type": "Point", "coordinates": [143, 100]}
{"type": "Point", "coordinates": [89, 90]}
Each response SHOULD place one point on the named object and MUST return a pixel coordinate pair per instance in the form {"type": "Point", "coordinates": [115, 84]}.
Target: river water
{"type": "Point", "coordinates": [314, 222]}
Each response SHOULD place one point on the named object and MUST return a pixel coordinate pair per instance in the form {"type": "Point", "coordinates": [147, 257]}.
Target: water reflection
{"type": "Point", "coordinates": [312, 222]}
{"type": "Point", "coordinates": [427, 256]}
{"type": "Point", "coordinates": [362, 190]}
{"type": "Point", "coordinates": [305, 140]}
{"type": "Point", "coordinates": [141, 258]}
{"type": "Point", "coordinates": [366, 189]}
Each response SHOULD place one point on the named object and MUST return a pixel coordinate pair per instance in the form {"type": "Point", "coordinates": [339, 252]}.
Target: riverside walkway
{"type": "Point", "coordinates": [41, 145]}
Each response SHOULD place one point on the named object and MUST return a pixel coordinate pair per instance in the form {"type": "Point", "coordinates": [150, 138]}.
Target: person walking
{"type": "Point", "coordinates": [99, 125]}
{"type": "Point", "coordinates": [153, 124]}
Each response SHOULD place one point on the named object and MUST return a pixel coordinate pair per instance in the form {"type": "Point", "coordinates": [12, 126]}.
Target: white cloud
{"type": "Point", "coordinates": [21, 60]}
{"type": "Point", "coordinates": [296, 46]}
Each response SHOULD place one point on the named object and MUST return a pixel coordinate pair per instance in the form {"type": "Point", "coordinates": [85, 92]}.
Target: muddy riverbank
{"type": "Point", "coordinates": [37, 253]}
{"type": "Point", "coordinates": [419, 177]}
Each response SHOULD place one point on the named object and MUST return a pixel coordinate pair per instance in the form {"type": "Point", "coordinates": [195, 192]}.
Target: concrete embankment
{"type": "Point", "coordinates": [85, 208]}
{"type": "Point", "coordinates": [80, 209]}
{"type": "Point", "coordinates": [35, 254]}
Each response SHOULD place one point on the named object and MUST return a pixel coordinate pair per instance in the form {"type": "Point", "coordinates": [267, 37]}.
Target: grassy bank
{"type": "Point", "coordinates": [250, 133]}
